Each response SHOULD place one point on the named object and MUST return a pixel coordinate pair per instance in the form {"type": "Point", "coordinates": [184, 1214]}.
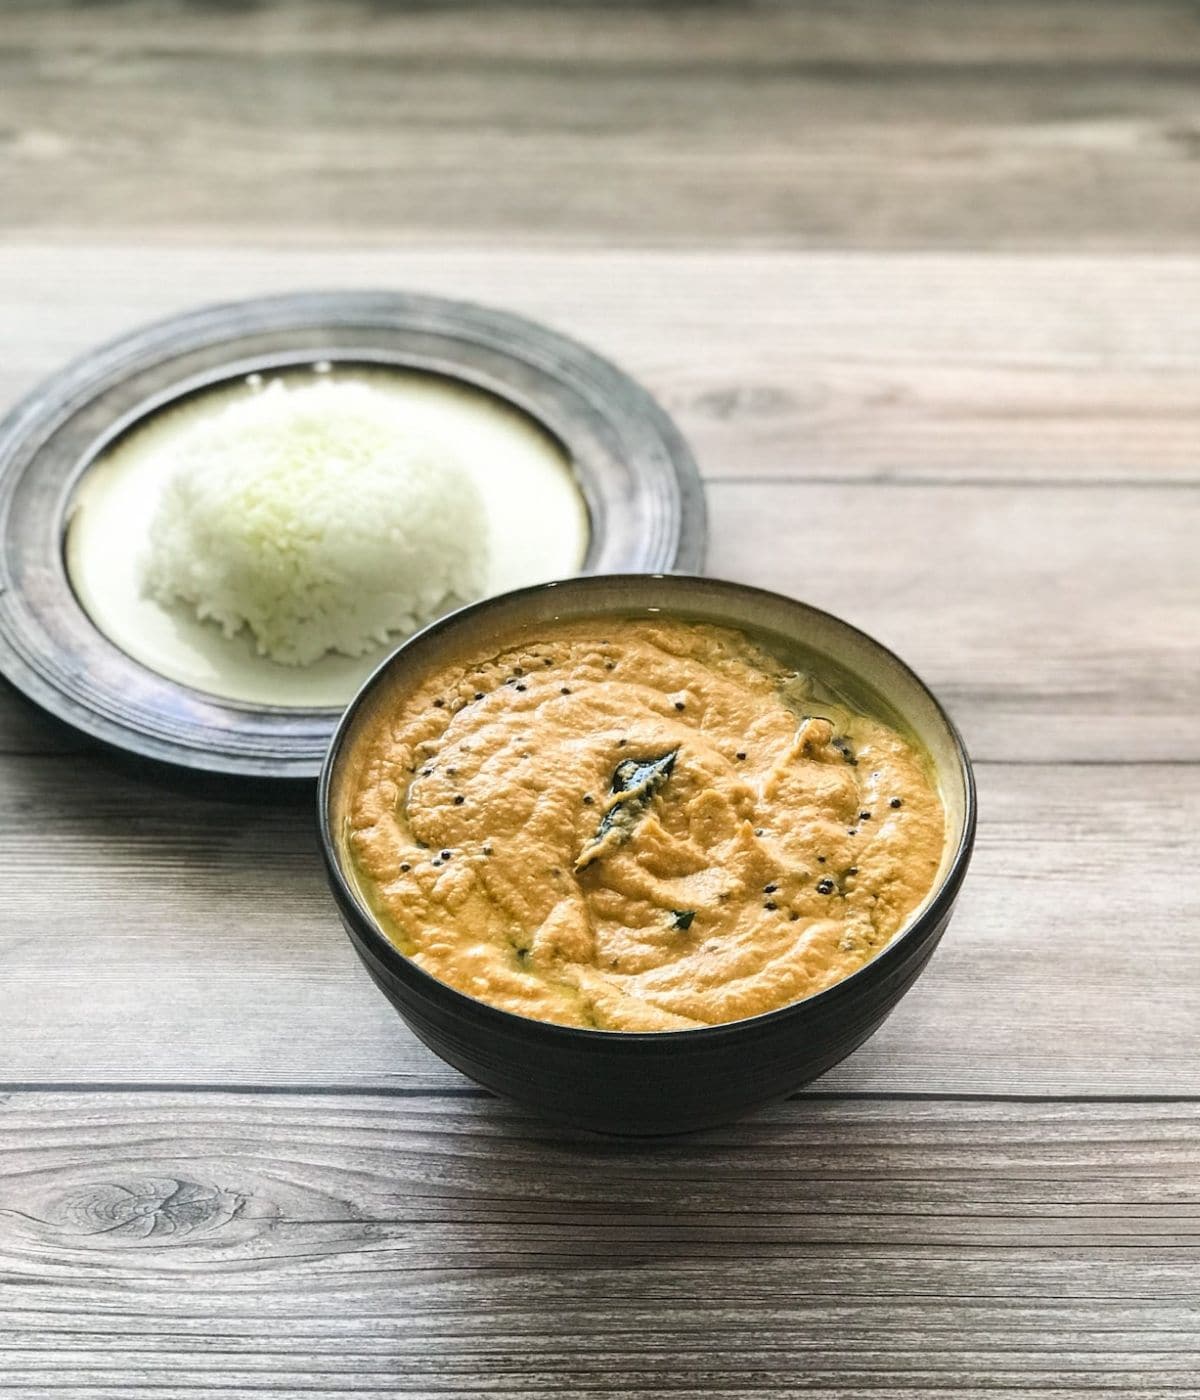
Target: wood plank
{"type": "Point", "coordinates": [837, 366]}
{"type": "Point", "coordinates": [151, 937]}
{"type": "Point", "coordinates": [1074, 33]}
{"type": "Point", "coordinates": [1055, 623]}
{"type": "Point", "coordinates": [1126, 634]}
{"type": "Point", "coordinates": [1058, 125]}
{"type": "Point", "coordinates": [451, 1247]}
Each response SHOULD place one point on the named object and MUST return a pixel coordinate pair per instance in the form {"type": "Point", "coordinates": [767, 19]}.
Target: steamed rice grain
{"type": "Point", "coordinates": [314, 517]}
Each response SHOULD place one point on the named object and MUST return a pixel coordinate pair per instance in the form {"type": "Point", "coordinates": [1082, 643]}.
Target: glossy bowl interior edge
{"type": "Point", "coordinates": [639, 1083]}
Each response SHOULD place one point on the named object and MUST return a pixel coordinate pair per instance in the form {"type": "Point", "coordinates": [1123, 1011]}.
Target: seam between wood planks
{"type": "Point", "coordinates": [1051, 483]}
{"type": "Point", "coordinates": [470, 1091]}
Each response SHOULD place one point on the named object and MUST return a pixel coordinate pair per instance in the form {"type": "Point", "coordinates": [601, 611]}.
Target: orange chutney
{"type": "Point", "coordinates": [639, 825]}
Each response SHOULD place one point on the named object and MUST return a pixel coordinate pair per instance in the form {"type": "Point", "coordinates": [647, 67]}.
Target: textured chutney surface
{"type": "Point", "coordinates": [640, 826]}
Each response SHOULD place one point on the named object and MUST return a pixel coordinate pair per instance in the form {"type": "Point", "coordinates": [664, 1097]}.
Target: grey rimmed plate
{"type": "Point", "coordinates": [633, 470]}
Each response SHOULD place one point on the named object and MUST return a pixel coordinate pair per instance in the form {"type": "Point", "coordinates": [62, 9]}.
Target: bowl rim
{"type": "Point", "coordinates": [367, 929]}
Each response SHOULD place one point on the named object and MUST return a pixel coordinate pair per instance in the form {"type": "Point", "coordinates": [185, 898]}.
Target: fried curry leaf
{"type": "Point", "coordinates": [682, 918]}
{"type": "Point", "coordinates": [634, 783]}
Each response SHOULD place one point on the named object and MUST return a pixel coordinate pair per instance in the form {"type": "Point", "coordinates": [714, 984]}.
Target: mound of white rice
{"type": "Point", "coordinates": [312, 515]}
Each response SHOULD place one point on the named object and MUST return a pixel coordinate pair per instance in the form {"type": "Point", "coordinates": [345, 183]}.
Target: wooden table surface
{"type": "Point", "coordinates": [921, 283]}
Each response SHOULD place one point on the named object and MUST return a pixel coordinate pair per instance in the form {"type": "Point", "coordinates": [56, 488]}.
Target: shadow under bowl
{"type": "Point", "coordinates": [652, 1083]}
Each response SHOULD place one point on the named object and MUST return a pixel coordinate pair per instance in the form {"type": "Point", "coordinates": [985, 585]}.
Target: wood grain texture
{"type": "Point", "coordinates": [920, 367]}
{"type": "Point", "coordinates": [857, 377]}
{"type": "Point", "coordinates": [1068, 125]}
{"type": "Point", "coordinates": [448, 1246]}
{"type": "Point", "coordinates": [149, 937]}
{"type": "Point", "coordinates": [1056, 623]}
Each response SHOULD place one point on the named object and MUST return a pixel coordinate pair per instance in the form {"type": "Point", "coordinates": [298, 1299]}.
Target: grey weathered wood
{"type": "Point", "coordinates": [149, 937]}
{"type": "Point", "coordinates": [793, 365]}
{"type": "Point", "coordinates": [1072, 33]}
{"type": "Point", "coordinates": [1061, 125]}
{"type": "Point", "coordinates": [867, 369]}
{"type": "Point", "coordinates": [1057, 623]}
{"type": "Point", "coordinates": [449, 1246]}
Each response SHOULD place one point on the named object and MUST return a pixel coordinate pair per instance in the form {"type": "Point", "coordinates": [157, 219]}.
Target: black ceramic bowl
{"type": "Point", "coordinates": [669, 1081]}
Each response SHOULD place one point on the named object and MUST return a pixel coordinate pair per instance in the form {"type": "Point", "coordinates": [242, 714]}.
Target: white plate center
{"type": "Point", "coordinates": [536, 515]}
